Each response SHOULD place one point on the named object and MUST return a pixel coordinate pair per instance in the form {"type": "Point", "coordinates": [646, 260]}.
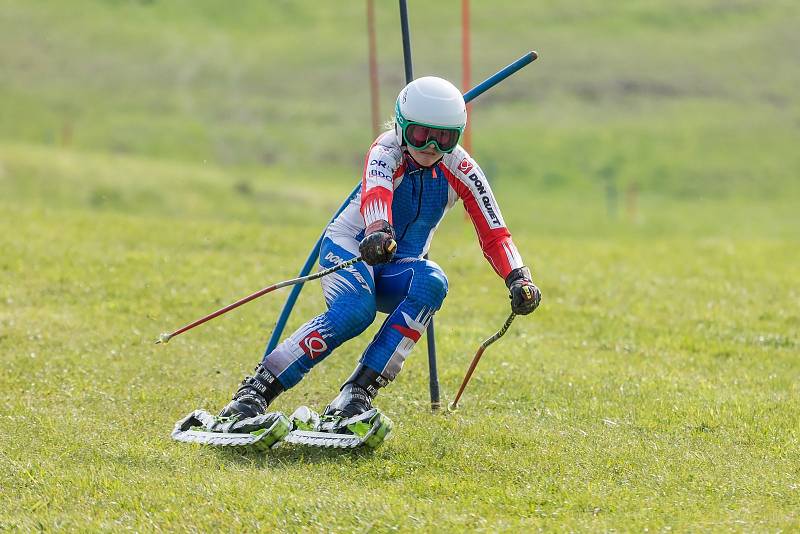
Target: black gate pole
{"type": "Point", "coordinates": [434, 373]}
{"type": "Point", "coordinates": [406, 41]}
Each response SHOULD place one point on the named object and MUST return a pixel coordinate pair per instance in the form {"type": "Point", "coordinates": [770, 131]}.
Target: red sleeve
{"type": "Point", "coordinates": [471, 186]}
{"type": "Point", "coordinates": [381, 166]}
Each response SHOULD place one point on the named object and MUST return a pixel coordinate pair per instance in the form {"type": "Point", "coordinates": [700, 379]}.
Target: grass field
{"type": "Point", "coordinates": [156, 163]}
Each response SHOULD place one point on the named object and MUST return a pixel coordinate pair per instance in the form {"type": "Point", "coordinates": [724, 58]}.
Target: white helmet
{"type": "Point", "coordinates": [434, 103]}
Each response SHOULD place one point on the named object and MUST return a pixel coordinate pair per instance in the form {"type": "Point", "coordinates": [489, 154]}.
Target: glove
{"type": "Point", "coordinates": [378, 245]}
{"type": "Point", "coordinates": [524, 294]}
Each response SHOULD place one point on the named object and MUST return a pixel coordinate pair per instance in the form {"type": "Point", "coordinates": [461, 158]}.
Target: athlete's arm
{"type": "Point", "coordinates": [380, 166]}
{"type": "Point", "coordinates": [469, 182]}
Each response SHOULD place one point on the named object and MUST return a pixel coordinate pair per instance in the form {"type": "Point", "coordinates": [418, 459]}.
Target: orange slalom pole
{"type": "Point", "coordinates": [374, 89]}
{"type": "Point", "coordinates": [466, 67]}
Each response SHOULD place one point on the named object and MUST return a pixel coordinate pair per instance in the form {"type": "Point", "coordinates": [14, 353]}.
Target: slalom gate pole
{"type": "Point", "coordinates": [374, 88]}
{"type": "Point", "coordinates": [466, 68]}
{"type": "Point", "coordinates": [433, 371]}
{"type": "Point", "coordinates": [275, 338]}
{"type": "Point", "coordinates": [499, 76]}
{"type": "Point", "coordinates": [406, 41]}
{"type": "Point", "coordinates": [470, 95]}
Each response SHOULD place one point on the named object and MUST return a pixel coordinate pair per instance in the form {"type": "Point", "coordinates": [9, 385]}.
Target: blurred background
{"type": "Point", "coordinates": [635, 109]}
{"type": "Point", "coordinates": [160, 159]}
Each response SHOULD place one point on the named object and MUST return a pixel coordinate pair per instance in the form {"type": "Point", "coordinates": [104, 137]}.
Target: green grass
{"type": "Point", "coordinates": [151, 170]}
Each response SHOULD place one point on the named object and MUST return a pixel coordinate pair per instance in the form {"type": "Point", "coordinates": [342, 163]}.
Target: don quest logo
{"type": "Point", "coordinates": [465, 166]}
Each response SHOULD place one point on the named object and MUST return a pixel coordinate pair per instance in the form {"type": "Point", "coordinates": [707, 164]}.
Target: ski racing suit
{"type": "Point", "coordinates": [409, 288]}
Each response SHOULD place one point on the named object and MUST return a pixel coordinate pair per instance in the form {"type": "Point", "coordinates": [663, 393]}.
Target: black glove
{"type": "Point", "coordinates": [525, 296]}
{"type": "Point", "coordinates": [378, 245]}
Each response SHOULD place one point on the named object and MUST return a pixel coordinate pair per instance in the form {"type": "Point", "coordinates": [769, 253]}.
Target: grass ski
{"type": "Point", "coordinates": [369, 429]}
{"type": "Point", "coordinates": [304, 427]}
{"type": "Point", "coordinates": [259, 433]}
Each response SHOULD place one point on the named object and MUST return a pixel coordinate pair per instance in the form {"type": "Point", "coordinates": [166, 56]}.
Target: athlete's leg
{"type": "Point", "coordinates": [349, 294]}
{"type": "Point", "coordinates": [411, 291]}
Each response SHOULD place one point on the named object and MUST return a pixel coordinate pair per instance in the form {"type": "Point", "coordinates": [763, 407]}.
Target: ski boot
{"type": "Point", "coordinates": [350, 420]}
{"type": "Point", "coordinates": [253, 396]}
{"type": "Point", "coordinates": [243, 422]}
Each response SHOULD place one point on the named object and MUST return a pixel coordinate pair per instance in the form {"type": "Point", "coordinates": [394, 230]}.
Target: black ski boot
{"type": "Point", "coordinates": [356, 394]}
{"type": "Point", "coordinates": [254, 395]}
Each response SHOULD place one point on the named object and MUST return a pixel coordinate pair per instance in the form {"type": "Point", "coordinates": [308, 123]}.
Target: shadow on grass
{"type": "Point", "coordinates": [287, 456]}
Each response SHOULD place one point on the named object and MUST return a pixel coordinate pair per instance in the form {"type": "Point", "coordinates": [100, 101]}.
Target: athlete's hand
{"type": "Point", "coordinates": [524, 294]}
{"type": "Point", "coordinates": [378, 245]}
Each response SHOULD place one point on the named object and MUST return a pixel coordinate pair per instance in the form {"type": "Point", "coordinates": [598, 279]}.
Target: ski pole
{"type": "Point", "coordinates": [454, 405]}
{"type": "Point", "coordinates": [164, 338]}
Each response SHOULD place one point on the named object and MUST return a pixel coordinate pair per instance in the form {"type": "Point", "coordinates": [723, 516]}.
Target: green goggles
{"type": "Point", "coordinates": [419, 136]}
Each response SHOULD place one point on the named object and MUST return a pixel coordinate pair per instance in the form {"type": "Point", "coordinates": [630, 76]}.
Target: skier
{"type": "Point", "coordinates": [412, 176]}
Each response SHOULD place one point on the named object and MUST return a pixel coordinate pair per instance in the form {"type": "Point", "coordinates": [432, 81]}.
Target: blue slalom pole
{"type": "Point", "coordinates": [499, 76]}
{"type": "Point", "coordinates": [470, 95]}
{"type": "Point", "coordinates": [307, 266]}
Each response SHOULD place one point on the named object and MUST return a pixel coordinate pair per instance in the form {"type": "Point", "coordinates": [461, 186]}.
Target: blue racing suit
{"type": "Point", "coordinates": [410, 289]}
